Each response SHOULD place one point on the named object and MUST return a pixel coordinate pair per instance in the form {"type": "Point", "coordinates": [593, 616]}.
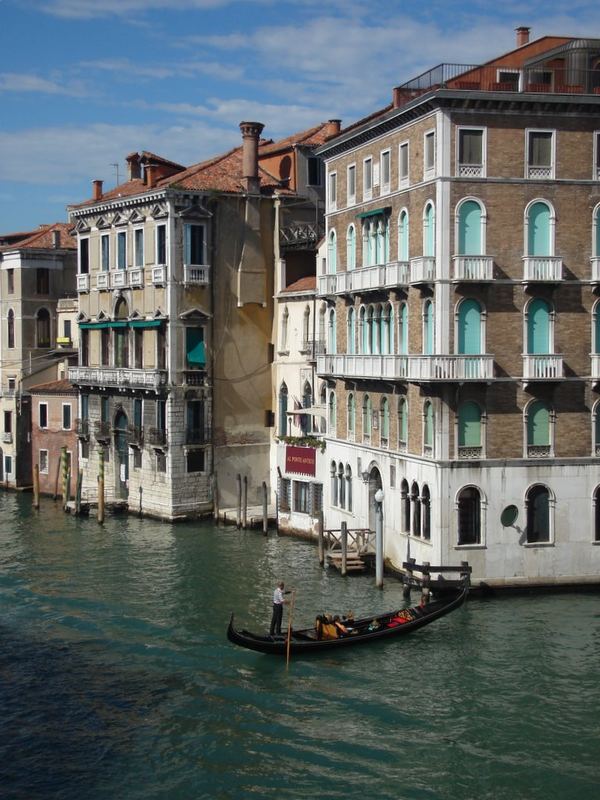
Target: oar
{"type": "Point", "coordinates": [289, 636]}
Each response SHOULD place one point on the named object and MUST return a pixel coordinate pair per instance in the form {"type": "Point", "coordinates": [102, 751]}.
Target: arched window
{"type": "Point", "coordinates": [332, 413]}
{"type": "Point", "coordinates": [402, 424]}
{"type": "Point", "coordinates": [469, 429]}
{"type": "Point", "coordinates": [426, 512]}
{"type": "Point", "coordinates": [428, 429]}
{"type": "Point", "coordinates": [341, 486]}
{"type": "Point", "coordinates": [306, 337]}
{"type": "Point", "coordinates": [428, 328]}
{"type": "Point", "coordinates": [597, 514]}
{"type": "Point", "coordinates": [284, 328]}
{"type": "Point", "coordinates": [385, 422]}
{"type": "Point", "coordinates": [596, 226]}
{"type": "Point", "coordinates": [351, 334]}
{"type": "Point", "coordinates": [403, 247]}
{"type": "Point", "coordinates": [370, 325]}
{"type": "Point", "coordinates": [351, 247]}
{"type": "Point", "coordinates": [305, 419]}
{"type": "Point", "coordinates": [416, 510]}
{"type": "Point", "coordinates": [332, 253]}
{"type": "Point", "coordinates": [469, 516]}
{"type": "Point", "coordinates": [334, 483]}
{"type": "Point", "coordinates": [331, 332]}
{"type": "Point", "coordinates": [539, 327]}
{"type": "Point", "coordinates": [367, 416]}
{"type": "Point", "coordinates": [469, 328]}
{"type": "Point", "coordinates": [375, 320]}
{"type": "Point", "coordinates": [363, 331]}
{"type": "Point", "coordinates": [323, 404]}
{"type": "Point", "coordinates": [405, 506]}
{"type": "Point", "coordinates": [387, 329]}
{"type": "Point", "coordinates": [380, 256]}
{"type": "Point", "coordinates": [351, 417]}
{"type": "Point", "coordinates": [403, 329]}
{"type": "Point", "coordinates": [540, 229]}
{"type": "Point", "coordinates": [596, 328]}
{"type": "Point", "coordinates": [348, 487]}
{"type": "Point", "coordinates": [283, 405]}
{"type": "Point", "coordinates": [429, 230]}
{"type": "Point", "coordinates": [538, 421]}
{"type": "Point", "coordinates": [538, 514]}
{"type": "Point", "coordinates": [366, 244]}
{"type": "Point", "coordinates": [121, 335]}
{"type": "Point", "coordinates": [470, 239]}
{"type": "Point", "coordinates": [596, 430]}
{"type": "Point", "coordinates": [11, 328]}
{"type": "Point", "coordinates": [42, 328]}
{"type": "Point", "coordinates": [322, 314]}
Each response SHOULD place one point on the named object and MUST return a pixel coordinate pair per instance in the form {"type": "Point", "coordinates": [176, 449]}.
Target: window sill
{"type": "Point", "coordinates": [538, 544]}
{"type": "Point", "coordinates": [470, 547]}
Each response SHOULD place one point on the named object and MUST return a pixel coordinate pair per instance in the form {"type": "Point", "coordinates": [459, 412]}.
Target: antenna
{"type": "Point", "coordinates": [116, 166]}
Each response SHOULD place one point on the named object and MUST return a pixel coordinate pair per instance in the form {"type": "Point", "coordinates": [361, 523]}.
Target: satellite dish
{"type": "Point", "coordinates": [509, 516]}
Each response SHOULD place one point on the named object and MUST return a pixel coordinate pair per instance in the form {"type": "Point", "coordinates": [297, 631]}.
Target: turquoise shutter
{"type": "Point", "coordinates": [469, 328]}
{"type": "Point", "coordinates": [469, 425]}
{"type": "Point", "coordinates": [539, 230]}
{"type": "Point", "coordinates": [469, 229]}
{"type": "Point", "coordinates": [538, 424]}
{"type": "Point", "coordinates": [538, 327]}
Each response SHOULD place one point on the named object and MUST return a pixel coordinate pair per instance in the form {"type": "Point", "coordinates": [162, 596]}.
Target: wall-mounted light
{"type": "Point", "coordinates": [365, 476]}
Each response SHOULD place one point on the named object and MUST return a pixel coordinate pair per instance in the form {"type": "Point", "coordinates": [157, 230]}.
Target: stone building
{"type": "Point", "coordinates": [176, 281]}
{"type": "Point", "coordinates": [460, 304]}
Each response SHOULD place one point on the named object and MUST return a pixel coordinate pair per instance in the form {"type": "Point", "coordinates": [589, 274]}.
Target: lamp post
{"type": "Point", "coordinates": [379, 538]}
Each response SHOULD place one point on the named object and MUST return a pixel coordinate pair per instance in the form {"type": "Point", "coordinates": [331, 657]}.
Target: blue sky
{"type": "Point", "coordinates": [84, 82]}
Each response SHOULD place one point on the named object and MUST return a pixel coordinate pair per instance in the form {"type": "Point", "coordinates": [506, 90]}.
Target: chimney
{"type": "Point", "coordinates": [251, 132]}
{"type": "Point", "coordinates": [55, 239]}
{"type": "Point", "coordinates": [97, 193]}
{"type": "Point", "coordinates": [134, 169]}
{"type": "Point", "coordinates": [334, 126]}
{"type": "Point", "coordinates": [150, 175]}
{"type": "Point", "coordinates": [397, 97]}
{"type": "Point", "coordinates": [522, 35]}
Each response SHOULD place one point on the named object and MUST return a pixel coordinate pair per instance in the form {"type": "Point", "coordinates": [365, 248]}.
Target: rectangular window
{"type": "Point", "coordinates": [10, 276]}
{"type": "Point", "coordinates": [105, 252]}
{"type": "Point", "coordinates": [314, 171]}
{"type": "Point", "coordinates": [429, 155]}
{"type": "Point", "coordinates": [403, 165]}
{"type": "Point", "coordinates": [137, 413]}
{"type": "Point", "coordinates": [8, 422]}
{"type": "Point", "coordinates": [84, 256]}
{"type": "Point", "coordinates": [285, 486]}
{"type": "Point", "coordinates": [195, 461]}
{"type": "Point", "coordinates": [8, 465]}
{"type": "Point", "coordinates": [66, 416]}
{"type": "Point", "coordinates": [301, 497]}
{"type": "Point", "coordinates": [195, 352]}
{"type": "Point", "coordinates": [12, 386]}
{"type": "Point", "coordinates": [332, 191]}
{"type": "Point", "coordinates": [43, 415]}
{"type": "Point", "coordinates": [138, 348]}
{"type": "Point", "coordinates": [470, 153]}
{"type": "Point", "coordinates": [138, 241]}
{"type": "Point", "coordinates": [540, 154]}
{"type": "Point", "coordinates": [195, 429]}
{"type": "Point", "coordinates": [161, 348]}
{"type": "Point", "coordinates": [121, 250]}
{"type": "Point", "coordinates": [161, 415]}
{"type": "Point", "coordinates": [317, 498]}
{"type": "Point", "coordinates": [385, 171]}
{"type": "Point", "coordinates": [42, 280]}
{"type": "Point", "coordinates": [352, 184]}
{"type": "Point", "coordinates": [596, 174]}
{"type": "Point", "coordinates": [194, 244]}
{"type": "Point", "coordinates": [43, 462]}
{"type": "Point", "coordinates": [84, 347]}
{"type": "Point", "coordinates": [67, 328]}
{"type": "Point", "coordinates": [104, 409]}
{"type": "Point", "coordinates": [508, 81]}
{"type": "Point", "coordinates": [161, 244]}
{"type": "Point", "coordinates": [85, 406]}
{"type": "Point", "coordinates": [104, 347]}
{"type": "Point", "coordinates": [367, 178]}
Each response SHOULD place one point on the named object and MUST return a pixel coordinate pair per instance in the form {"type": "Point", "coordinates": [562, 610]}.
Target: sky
{"type": "Point", "coordinates": [85, 82]}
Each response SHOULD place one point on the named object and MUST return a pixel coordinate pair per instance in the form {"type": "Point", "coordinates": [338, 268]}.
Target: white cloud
{"type": "Point", "coordinates": [126, 70]}
{"type": "Point", "coordinates": [22, 82]}
{"type": "Point", "coordinates": [84, 9]}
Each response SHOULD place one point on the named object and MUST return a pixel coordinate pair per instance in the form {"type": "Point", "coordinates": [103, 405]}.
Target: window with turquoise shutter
{"type": "Point", "coordinates": [403, 330]}
{"type": "Point", "coordinates": [331, 335]}
{"type": "Point", "coordinates": [469, 229]}
{"type": "Point", "coordinates": [351, 248]}
{"type": "Point", "coordinates": [332, 254]}
{"type": "Point", "coordinates": [403, 236]}
{"type": "Point", "coordinates": [364, 331]}
{"type": "Point", "coordinates": [596, 336]}
{"type": "Point", "coordinates": [402, 422]}
{"type": "Point", "coordinates": [538, 424]}
{"type": "Point", "coordinates": [538, 327]}
{"type": "Point", "coordinates": [469, 425]}
{"type": "Point", "coordinates": [597, 428]}
{"type": "Point", "coordinates": [367, 417]}
{"type": "Point", "coordinates": [428, 328]}
{"type": "Point", "coordinates": [469, 328]}
{"type": "Point", "coordinates": [429, 230]}
{"type": "Point", "coordinates": [351, 331]}
{"type": "Point", "coordinates": [538, 230]}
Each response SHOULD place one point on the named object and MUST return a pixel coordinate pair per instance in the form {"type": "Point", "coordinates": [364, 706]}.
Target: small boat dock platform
{"type": "Point", "coordinates": [348, 549]}
{"type": "Point", "coordinates": [418, 576]}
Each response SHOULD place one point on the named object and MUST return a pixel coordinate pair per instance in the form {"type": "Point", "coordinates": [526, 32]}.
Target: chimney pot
{"type": "Point", "coordinates": [522, 35]}
{"type": "Point", "coordinates": [251, 132]}
{"type": "Point", "coordinates": [97, 195]}
{"type": "Point", "coordinates": [396, 97]}
{"type": "Point", "coordinates": [334, 126]}
{"type": "Point", "coordinates": [134, 169]}
{"type": "Point", "coordinates": [150, 175]}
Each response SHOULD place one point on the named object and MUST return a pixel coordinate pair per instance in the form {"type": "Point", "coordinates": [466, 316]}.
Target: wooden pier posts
{"type": "Point", "coordinates": [238, 520]}
{"type": "Point", "coordinates": [321, 538]}
{"type": "Point", "coordinates": [379, 538]}
{"type": "Point", "coordinates": [78, 492]}
{"type": "Point", "coordinates": [344, 542]}
{"type": "Point", "coordinates": [36, 486]}
{"type": "Point", "coordinates": [265, 509]}
{"type": "Point", "coordinates": [245, 503]}
{"type": "Point", "coordinates": [215, 493]}
{"type": "Point", "coordinates": [101, 487]}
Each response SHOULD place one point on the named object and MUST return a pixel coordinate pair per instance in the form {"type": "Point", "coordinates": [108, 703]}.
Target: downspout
{"type": "Point", "coordinates": [212, 207]}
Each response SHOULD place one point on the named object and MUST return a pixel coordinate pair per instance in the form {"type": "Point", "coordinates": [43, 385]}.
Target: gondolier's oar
{"type": "Point", "coordinates": [289, 636]}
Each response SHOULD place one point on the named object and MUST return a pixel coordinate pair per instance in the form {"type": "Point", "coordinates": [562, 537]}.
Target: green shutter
{"type": "Point", "coordinates": [469, 425]}
{"type": "Point", "coordinates": [469, 229]}
{"type": "Point", "coordinates": [538, 424]}
{"type": "Point", "coordinates": [195, 350]}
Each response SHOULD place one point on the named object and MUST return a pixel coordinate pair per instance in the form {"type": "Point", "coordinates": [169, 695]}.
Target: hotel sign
{"type": "Point", "coordinates": [301, 460]}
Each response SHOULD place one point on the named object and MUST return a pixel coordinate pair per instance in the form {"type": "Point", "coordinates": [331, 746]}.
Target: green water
{"type": "Point", "coordinates": [117, 681]}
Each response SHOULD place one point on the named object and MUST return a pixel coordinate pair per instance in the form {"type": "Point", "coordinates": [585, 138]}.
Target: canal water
{"type": "Point", "coordinates": [117, 681]}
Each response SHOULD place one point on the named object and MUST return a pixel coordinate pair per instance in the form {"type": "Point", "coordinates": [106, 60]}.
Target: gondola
{"type": "Point", "coordinates": [382, 627]}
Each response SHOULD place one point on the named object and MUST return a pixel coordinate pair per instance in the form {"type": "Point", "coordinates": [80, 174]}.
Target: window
{"type": "Point", "coordinates": [331, 332]}
{"type": "Point", "coordinates": [470, 229]}
{"type": "Point", "coordinates": [416, 510]}
{"type": "Point", "coordinates": [403, 248]}
{"type": "Point", "coordinates": [538, 515]}
{"type": "Point", "coordinates": [104, 347]}
{"type": "Point", "coordinates": [195, 428]}
{"type": "Point", "coordinates": [314, 171]}
{"type": "Point", "coordinates": [469, 516]}
{"type": "Point", "coordinates": [596, 172]}
{"type": "Point", "coordinates": [84, 256]}
{"type": "Point", "coordinates": [85, 406]}
{"type": "Point", "coordinates": [385, 171]}
{"type": "Point", "coordinates": [332, 253]}
{"type": "Point", "coordinates": [305, 419]}
{"type": "Point", "coordinates": [508, 81]}
{"type": "Point", "coordinates": [137, 457]}
{"type": "Point", "coordinates": [351, 332]}
{"type": "Point", "coordinates": [283, 405]}
{"type": "Point", "coordinates": [539, 223]}
{"type": "Point", "coordinates": [105, 409]}
{"type": "Point", "coordinates": [404, 507]}
{"type": "Point", "coordinates": [539, 319]}
{"type": "Point", "coordinates": [428, 429]}
{"type": "Point", "coordinates": [10, 321]}
{"type": "Point", "coordinates": [138, 247]}
{"type": "Point", "coordinates": [428, 328]}
{"type": "Point", "coordinates": [138, 347]}
{"type": "Point", "coordinates": [8, 465]}
{"type": "Point", "coordinates": [403, 178]}
{"type": "Point", "coordinates": [105, 252]}
{"type": "Point", "coordinates": [302, 497]}
{"type": "Point", "coordinates": [42, 280]}
{"type": "Point", "coordinates": [284, 329]}
{"type": "Point", "coordinates": [351, 423]}
{"type": "Point", "coordinates": [8, 422]}
{"type": "Point", "coordinates": [161, 244]}
{"type": "Point", "coordinates": [351, 184]}
{"type": "Point", "coordinates": [597, 514]}
{"type": "Point", "coordinates": [193, 252]}
{"type": "Point", "coordinates": [84, 347]}
{"type": "Point", "coordinates": [429, 155]}
{"type": "Point", "coordinates": [341, 486]}
{"type": "Point", "coordinates": [367, 178]}
{"type": "Point", "coordinates": [471, 153]}
{"type": "Point", "coordinates": [161, 348]}
{"type": "Point", "coordinates": [348, 487]}
{"type": "Point", "coordinates": [540, 154]}
{"type": "Point", "coordinates": [429, 230]}
{"type": "Point", "coordinates": [161, 415]}
{"type": "Point", "coordinates": [426, 513]}
{"type": "Point", "coordinates": [403, 329]}
{"type": "Point", "coordinates": [469, 430]}
{"type": "Point", "coordinates": [66, 416]}
{"type": "Point", "coordinates": [161, 461]}
{"type": "Point", "coordinates": [351, 247]}
{"type": "Point", "coordinates": [402, 424]}
{"type": "Point", "coordinates": [195, 350]}
{"type": "Point", "coordinates": [121, 250]}
{"type": "Point", "coordinates": [285, 492]}
{"type": "Point", "coordinates": [195, 460]}
{"type": "Point", "coordinates": [138, 413]}
{"type": "Point", "coordinates": [10, 277]}
{"type": "Point", "coordinates": [385, 422]}
{"type": "Point", "coordinates": [43, 328]}
{"type": "Point", "coordinates": [331, 419]}
{"type": "Point", "coordinates": [538, 420]}
{"type": "Point", "coordinates": [67, 328]}
{"type": "Point", "coordinates": [469, 334]}
{"type": "Point", "coordinates": [334, 484]}
{"type": "Point", "coordinates": [43, 462]}
{"type": "Point", "coordinates": [43, 415]}
{"type": "Point", "coordinates": [332, 191]}
{"type": "Point", "coordinates": [367, 418]}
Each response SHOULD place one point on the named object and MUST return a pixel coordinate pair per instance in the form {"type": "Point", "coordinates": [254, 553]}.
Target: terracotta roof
{"type": "Point", "coordinates": [127, 189]}
{"type": "Point", "coordinates": [54, 387]}
{"type": "Point", "coordinates": [42, 238]}
{"type": "Point", "coordinates": [307, 284]}
{"type": "Point", "coordinates": [146, 155]}
{"type": "Point", "coordinates": [313, 136]}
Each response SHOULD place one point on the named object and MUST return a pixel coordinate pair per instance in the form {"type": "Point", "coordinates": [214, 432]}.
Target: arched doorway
{"type": "Point", "coordinates": [121, 456]}
{"type": "Point", "coordinates": [375, 484]}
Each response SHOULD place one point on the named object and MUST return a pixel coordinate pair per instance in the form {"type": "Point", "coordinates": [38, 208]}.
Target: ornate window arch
{"type": "Point", "coordinates": [539, 421]}
{"type": "Point", "coordinates": [403, 235]}
{"type": "Point", "coordinates": [470, 221]}
{"type": "Point", "coordinates": [351, 247]}
{"type": "Point", "coordinates": [539, 228]}
{"type": "Point", "coordinates": [539, 513]}
{"type": "Point", "coordinates": [332, 253]}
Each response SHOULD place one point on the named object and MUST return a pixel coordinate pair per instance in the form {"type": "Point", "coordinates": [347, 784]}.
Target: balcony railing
{"type": "Point", "coordinates": [422, 269]}
{"type": "Point", "coordinates": [116, 376]}
{"type": "Point", "coordinates": [135, 435]}
{"type": "Point", "coordinates": [82, 428]}
{"type": "Point", "coordinates": [595, 367]}
{"type": "Point", "coordinates": [7, 437]}
{"type": "Point", "coordinates": [102, 431]}
{"type": "Point", "coordinates": [196, 274]}
{"type": "Point", "coordinates": [103, 281]}
{"type": "Point", "coordinates": [83, 283]}
{"type": "Point", "coordinates": [595, 264]}
{"type": "Point", "coordinates": [197, 436]}
{"type": "Point", "coordinates": [194, 377]}
{"type": "Point", "coordinates": [546, 269]}
{"type": "Point", "coordinates": [313, 348]}
{"type": "Point", "coordinates": [157, 437]}
{"type": "Point", "coordinates": [470, 170]}
{"type": "Point", "coordinates": [119, 279]}
{"type": "Point", "coordinates": [413, 368]}
{"type": "Point", "coordinates": [473, 268]}
{"type": "Point", "coordinates": [136, 277]}
{"type": "Point", "coordinates": [539, 451]}
{"type": "Point", "coordinates": [469, 453]}
{"type": "Point", "coordinates": [361, 279]}
{"type": "Point", "coordinates": [542, 367]}
{"type": "Point", "coordinates": [159, 275]}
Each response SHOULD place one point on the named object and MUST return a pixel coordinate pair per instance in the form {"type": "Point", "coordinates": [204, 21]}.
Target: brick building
{"type": "Point", "coordinates": [459, 305]}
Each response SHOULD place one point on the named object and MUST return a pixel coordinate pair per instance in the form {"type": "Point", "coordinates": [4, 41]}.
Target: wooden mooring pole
{"type": "Point", "coordinates": [64, 472]}
{"type": "Point", "coordinates": [101, 487]}
{"type": "Point", "coordinates": [344, 542]}
{"type": "Point", "coordinates": [36, 486]}
{"type": "Point", "coordinates": [78, 492]}
{"type": "Point", "coordinates": [238, 520]}
{"type": "Point", "coordinates": [265, 509]}
{"type": "Point", "coordinates": [215, 485]}
{"type": "Point", "coordinates": [245, 504]}
{"type": "Point", "coordinates": [321, 538]}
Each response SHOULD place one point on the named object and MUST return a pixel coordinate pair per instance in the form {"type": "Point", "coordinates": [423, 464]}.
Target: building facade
{"type": "Point", "coordinates": [460, 296]}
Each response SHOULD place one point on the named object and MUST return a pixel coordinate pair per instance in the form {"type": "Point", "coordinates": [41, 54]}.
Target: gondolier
{"type": "Point", "coordinates": [278, 603]}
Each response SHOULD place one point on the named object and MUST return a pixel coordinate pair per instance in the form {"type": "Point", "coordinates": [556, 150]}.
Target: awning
{"type": "Point", "coordinates": [94, 326]}
{"type": "Point", "coordinates": [145, 323]}
{"type": "Point", "coordinates": [197, 355]}
{"type": "Point", "coordinates": [374, 212]}
{"type": "Point", "coordinates": [121, 323]}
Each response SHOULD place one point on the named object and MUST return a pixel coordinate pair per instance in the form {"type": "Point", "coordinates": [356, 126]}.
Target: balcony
{"type": "Point", "coordinates": [420, 369]}
{"type": "Point", "coordinates": [7, 437]}
{"type": "Point", "coordinates": [83, 283]}
{"type": "Point", "coordinates": [470, 453]}
{"type": "Point", "coordinates": [197, 436]}
{"type": "Point", "coordinates": [539, 451]}
{"type": "Point", "coordinates": [313, 348]}
{"type": "Point", "coordinates": [470, 171]}
{"type": "Point", "coordinates": [542, 269]}
{"type": "Point", "coordinates": [135, 435]}
{"type": "Point", "coordinates": [422, 269]}
{"type": "Point", "coordinates": [595, 368]}
{"type": "Point", "coordinates": [194, 377]}
{"type": "Point", "coordinates": [595, 264]}
{"type": "Point", "coordinates": [196, 274]}
{"type": "Point", "coordinates": [159, 275]}
{"type": "Point", "coordinates": [136, 277]}
{"type": "Point", "coordinates": [119, 279]}
{"type": "Point", "coordinates": [117, 376]}
{"type": "Point", "coordinates": [102, 431]}
{"type": "Point", "coordinates": [82, 428]}
{"type": "Point", "coordinates": [157, 437]}
{"type": "Point", "coordinates": [363, 279]}
{"type": "Point", "coordinates": [103, 281]}
{"type": "Point", "coordinates": [546, 367]}
{"type": "Point", "coordinates": [473, 268]}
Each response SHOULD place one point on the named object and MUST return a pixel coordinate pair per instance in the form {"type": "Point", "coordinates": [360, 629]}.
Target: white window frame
{"type": "Point", "coordinates": [385, 184]}
{"type": "Point", "coordinates": [473, 173]}
{"type": "Point", "coordinates": [117, 265]}
{"type": "Point", "coordinates": [351, 196]}
{"type": "Point", "coordinates": [161, 225]}
{"type": "Point", "coordinates": [105, 237]}
{"type": "Point", "coordinates": [508, 70]}
{"type": "Point", "coordinates": [404, 180]}
{"type": "Point", "coordinates": [79, 272]}
{"type": "Point", "coordinates": [552, 230]}
{"type": "Point", "coordinates": [332, 191]}
{"type": "Point", "coordinates": [552, 168]}
{"type": "Point", "coordinates": [551, 428]}
{"type": "Point", "coordinates": [429, 171]}
{"type": "Point", "coordinates": [62, 420]}
{"type": "Point", "coordinates": [44, 471]}
{"type": "Point", "coordinates": [367, 190]}
{"type": "Point", "coordinates": [135, 247]}
{"type": "Point", "coordinates": [551, 515]}
{"type": "Point", "coordinates": [42, 427]}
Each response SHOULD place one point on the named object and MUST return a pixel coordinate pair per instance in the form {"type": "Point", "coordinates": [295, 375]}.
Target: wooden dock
{"type": "Point", "coordinates": [346, 548]}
